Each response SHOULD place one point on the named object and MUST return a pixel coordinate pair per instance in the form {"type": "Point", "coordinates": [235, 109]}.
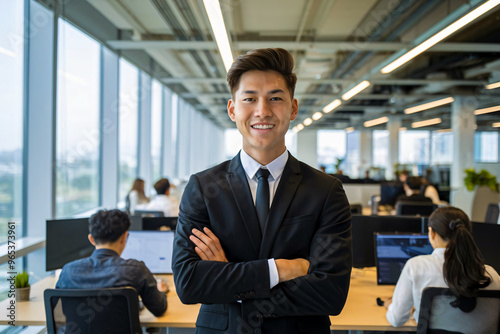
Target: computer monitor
{"type": "Point", "coordinates": [66, 241]}
{"type": "Point", "coordinates": [154, 248]}
{"type": "Point", "coordinates": [148, 213]}
{"type": "Point", "coordinates": [487, 238]}
{"type": "Point", "coordinates": [363, 228]}
{"type": "Point", "coordinates": [393, 250]}
{"type": "Point", "coordinates": [389, 192]}
{"type": "Point", "coordinates": [159, 223]}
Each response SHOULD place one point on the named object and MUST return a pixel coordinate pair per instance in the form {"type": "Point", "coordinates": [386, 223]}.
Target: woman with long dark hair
{"type": "Point", "coordinates": [456, 262]}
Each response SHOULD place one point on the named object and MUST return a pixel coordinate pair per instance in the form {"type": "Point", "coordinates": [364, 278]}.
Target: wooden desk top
{"type": "Point", "coordinates": [361, 311]}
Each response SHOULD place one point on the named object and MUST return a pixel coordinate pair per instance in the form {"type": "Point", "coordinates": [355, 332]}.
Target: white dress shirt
{"type": "Point", "coordinates": [419, 273]}
{"type": "Point", "coordinates": [275, 168]}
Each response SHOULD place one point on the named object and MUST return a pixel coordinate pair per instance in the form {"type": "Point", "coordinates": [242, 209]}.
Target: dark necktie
{"type": "Point", "coordinates": [262, 198]}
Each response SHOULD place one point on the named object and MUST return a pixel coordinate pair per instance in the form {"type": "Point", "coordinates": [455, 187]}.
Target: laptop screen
{"type": "Point", "coordinates": [393, 250]}
{"type": "Point", "coordinates": [154, 248]}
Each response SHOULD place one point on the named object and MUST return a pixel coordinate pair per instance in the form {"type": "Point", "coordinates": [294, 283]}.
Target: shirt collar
{"type": "Point", "coordinates": [275, 167]}
{"type": "Point", "coordinates": [104, 251]}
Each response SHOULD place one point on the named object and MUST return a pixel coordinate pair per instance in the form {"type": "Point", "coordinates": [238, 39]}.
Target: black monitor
{"type": "Point", "coordinates": [487, 238]}
{"type": "Point", "coordinates": [66, 241]}
{"type": "Point", "coordinates": [159, 223]}
{"type": "Point", "coordinates": [393, 250]}
{"type": "Point", "coordinates": [389, 192]}
{"type": "Point", "coordinates": [364, 228]}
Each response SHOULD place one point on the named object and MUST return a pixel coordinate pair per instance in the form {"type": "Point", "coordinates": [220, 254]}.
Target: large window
{"type": "Point", "coordinates": [156, 130]}
{"type": "Point", "coordinates": [353, 158]}
{"type": "Point", "coordinates": [232, 138]}
{"type": "Point", "coordinates": [380, 148]}
{"type": "Point", "coordinates": [486, 146]}
{"type": "Point", "coordinates": [414, 147]}
{"type": "Point", "coordinates": [442, 148]}
{"type": "Point", "coordinates": [331, 146]}
{"type": "Point", "coordinates": [78, 135]}
{"type": "Point", "coordinates": [129, 127]}
{"type": "Point", "coordinates": [11, 116]}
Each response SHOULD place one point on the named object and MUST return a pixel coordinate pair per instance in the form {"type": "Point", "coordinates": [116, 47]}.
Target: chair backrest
{"type": "Point", "coordinates": [356, 208]}
{"type": "Point", "coordinates": [492, 213]}
{"type": "Point", "coordinates": [109, 310]}
{"type": "Point", "coordinates": [149, 213]}
{"type": "Point", "coordinates": [438, 316]}
{"type": "Point", "coordinates": [414, 208]}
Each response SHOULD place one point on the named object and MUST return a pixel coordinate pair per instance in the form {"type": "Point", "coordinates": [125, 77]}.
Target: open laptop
{"type": "Point", "coordinates": [154, 248]}
{"type": "Point", "coordinates": [393, 250]}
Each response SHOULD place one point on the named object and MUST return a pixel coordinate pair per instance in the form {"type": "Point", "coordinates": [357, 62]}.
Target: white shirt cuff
{"type": "Point", "coordinates": [274, 277]}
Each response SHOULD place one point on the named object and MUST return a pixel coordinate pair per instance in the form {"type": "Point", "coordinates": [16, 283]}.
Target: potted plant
{"type": "Point", "coordinates": [22, 286]}
{"type": "Point", "coordinates": [485, 188]}
{"type": "Point", "coordinates": [483, 178]}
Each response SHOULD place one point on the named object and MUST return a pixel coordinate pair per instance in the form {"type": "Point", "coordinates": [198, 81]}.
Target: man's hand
{"type": "Point", "coordinates": [207, 245]}
{"type": "Point", "coordinates": [290, 269]}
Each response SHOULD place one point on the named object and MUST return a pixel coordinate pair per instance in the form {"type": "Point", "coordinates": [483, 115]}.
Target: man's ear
{"type": "Point", "coordinates": [230, 110]}
{"type": "Point", "coordinates": [91, 239]}
{"type": "Point", "coordinates": [295, 109]}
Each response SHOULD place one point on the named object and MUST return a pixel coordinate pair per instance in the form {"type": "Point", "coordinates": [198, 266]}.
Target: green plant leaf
{"type": "Point", "coordinates": [22, 280]}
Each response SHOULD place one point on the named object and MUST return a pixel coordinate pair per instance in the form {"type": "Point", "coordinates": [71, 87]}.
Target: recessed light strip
{"type": "Point", "coordinates": [458, 24]}
{"type": "Point", "coordinates": [300, 127]}
{"type": "Point", "coordinates": [376, 121]}
{"type": "Point", "coordinates": [308, 121]}
{"type": "Point", "coordinates": [496, 125]}
{"type": "Point", "coordinates": [332, 105]}
{"type": "Point", "coordinates": [317, 115]}
{"type": "Point", "coordinates": [356, 89]}
{"type": "Point", "coordinates": [427, 122]}
{"type": "Point", "coordinates": [486, 110]}
{"type": "Point", "coordinates": [493, 85]}
{"type": "Point", "coordinates": [443, 130]}
{"type": "Point", "coordinates": [218, 27]}
{"type": "Point", "coordinates": [349, 129]}
{"type": "Point", "coordinates": [429, 105]}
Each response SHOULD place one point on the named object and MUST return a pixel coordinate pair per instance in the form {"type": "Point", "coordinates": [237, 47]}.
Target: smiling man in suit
{"type": "Point", "coordinates": [263, 240]}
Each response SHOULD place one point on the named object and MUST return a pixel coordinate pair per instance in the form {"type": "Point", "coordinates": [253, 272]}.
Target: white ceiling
{"type": "Point", "coordinates": [328, 40]}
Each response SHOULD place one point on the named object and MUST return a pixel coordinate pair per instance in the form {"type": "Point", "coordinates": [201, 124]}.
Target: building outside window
{"type": "Point", "coordinates": [78, 133]}
{"type": "Point", "coordinates": [486, 146]}
{"type": "Point", "coordinates": [331, 146]}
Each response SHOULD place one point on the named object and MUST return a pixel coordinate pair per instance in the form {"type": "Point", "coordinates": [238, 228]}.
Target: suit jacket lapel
{"type": "Point", "coordinates": [287, 187]}
{"type": "Point", "coordinates": [238, 183]}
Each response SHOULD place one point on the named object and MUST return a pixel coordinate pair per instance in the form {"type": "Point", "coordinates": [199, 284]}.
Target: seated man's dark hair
{"type": "Point", "coordinates": [162, 186]}
{"type": "Point", "coordinates": [108, 225]}
{"type": "Point", "coordinates": [414, 182]}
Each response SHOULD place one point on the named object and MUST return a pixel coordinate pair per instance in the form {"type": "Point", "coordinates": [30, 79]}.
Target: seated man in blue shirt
{"type": "Point", "coordinates": [105, 268]}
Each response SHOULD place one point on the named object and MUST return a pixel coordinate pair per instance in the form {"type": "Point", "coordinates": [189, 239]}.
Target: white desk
{"type": "Point", "coordinates": [361, 311]}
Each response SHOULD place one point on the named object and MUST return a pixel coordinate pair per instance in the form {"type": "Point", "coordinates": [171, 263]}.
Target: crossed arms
{"type": "Point", "coordinates": [314, 286]}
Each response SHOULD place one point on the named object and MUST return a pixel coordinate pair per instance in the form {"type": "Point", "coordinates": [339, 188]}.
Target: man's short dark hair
{"type": "Point", "coordinates": [162, 186]}
{"type": "Point", "coordinates": [414, 182]}
{"type": "Point", "coordinates": [108, 225]}
{"type": "Point", "coordinates": [279, 60]}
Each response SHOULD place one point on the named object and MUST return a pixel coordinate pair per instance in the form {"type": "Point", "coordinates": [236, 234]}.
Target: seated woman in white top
{"type": "Point", "coordinates": [136, 196]}
{"type": "Point", "coordinates": [456, 262]}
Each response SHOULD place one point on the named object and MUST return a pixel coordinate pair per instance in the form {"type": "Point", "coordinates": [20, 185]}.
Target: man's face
{"type": "Point", "coordinates": [262, 109]}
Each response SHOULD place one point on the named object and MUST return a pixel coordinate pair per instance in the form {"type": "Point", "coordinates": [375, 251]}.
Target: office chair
{"type": "Point", "coordinates": [492, 213]}
{"type": "Point", "coordinates": [412, 208]}
{"type": "Point", "coordinates": [148, 213]}
{"type": "Point", "coordinates": [109, 310]}
{"type": "Point", "coordinates": [438, 316]}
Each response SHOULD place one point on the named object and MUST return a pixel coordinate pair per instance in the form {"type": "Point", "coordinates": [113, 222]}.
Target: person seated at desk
{"type": "Point", "coordinates": [412, 189]}
{"type": "Point", "coordinates": [162, 201]}
{"type": "Point", "coordinates": [450, 236]}
{"type": "Point", "coordinates": [136, 196]}
{"type": "Point", "coordinates": [430, 191]}
{"type": "Point", "coordinates": [105, 268]}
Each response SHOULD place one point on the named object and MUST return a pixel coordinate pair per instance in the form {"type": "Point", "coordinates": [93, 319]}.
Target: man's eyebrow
{"type": "Point", "coordinates": [275, 91]}
{"type": "Point", "coordinates": [249, 92]}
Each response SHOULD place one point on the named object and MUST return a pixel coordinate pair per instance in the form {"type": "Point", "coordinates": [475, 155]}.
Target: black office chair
{"type": "Point", "coordinates": [110, 310]}
{"type": "Point", "coordinates": [438, 316]}
{"type": "Point", "coordinates": [492, 213]}
{"type": "Point", "coordinates": [149, 213]}
{"type": "Point", "coordinates": [412, 208]}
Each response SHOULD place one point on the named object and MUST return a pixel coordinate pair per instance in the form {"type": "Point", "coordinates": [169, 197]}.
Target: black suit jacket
{"type": "Point", "coordinates": [309, 218]}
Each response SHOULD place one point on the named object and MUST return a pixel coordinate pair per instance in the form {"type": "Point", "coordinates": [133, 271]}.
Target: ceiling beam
{"type": "Point", "coordinates": [297, 46]}
{"type": "Point", "coordinates": [330, 96]}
